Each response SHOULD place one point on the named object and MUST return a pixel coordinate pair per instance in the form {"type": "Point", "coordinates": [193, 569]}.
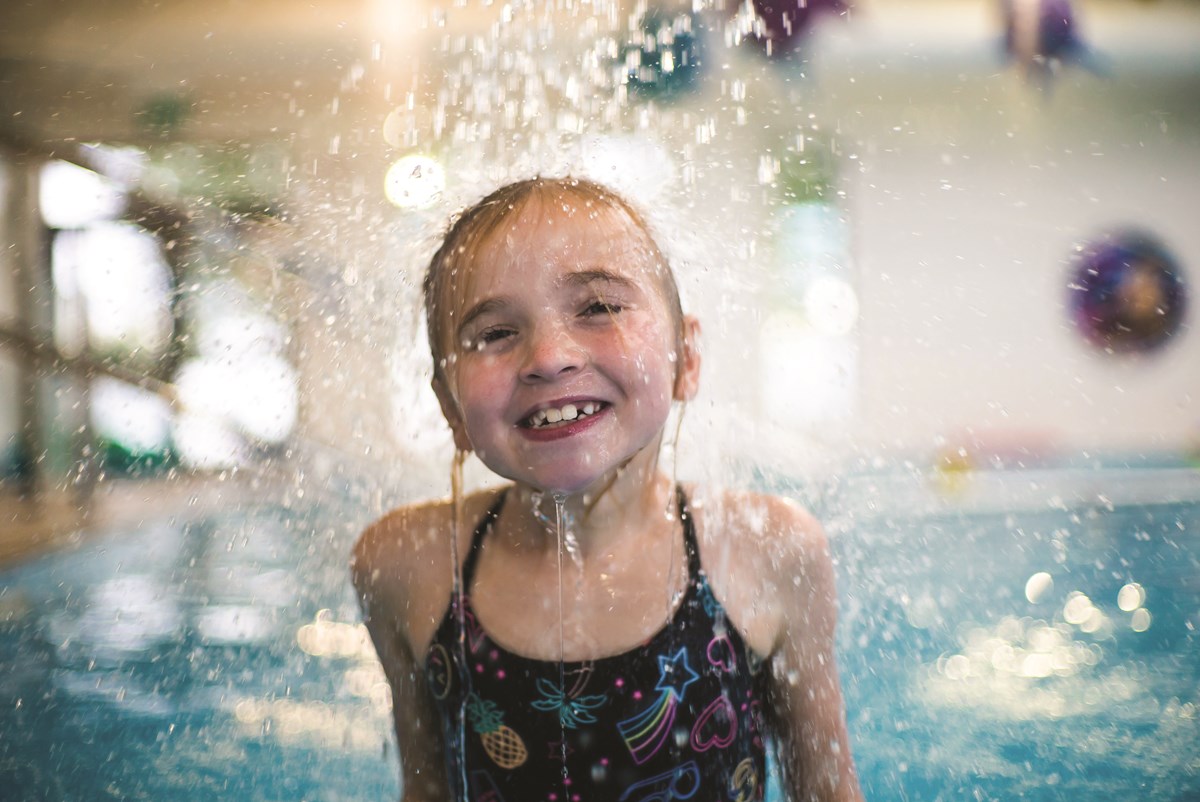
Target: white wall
{"type": "Point", "coordinates": [968, 190]}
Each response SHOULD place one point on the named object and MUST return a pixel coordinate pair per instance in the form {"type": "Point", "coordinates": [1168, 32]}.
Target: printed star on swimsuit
{"type": "Point", "coordinates": [675, 674]}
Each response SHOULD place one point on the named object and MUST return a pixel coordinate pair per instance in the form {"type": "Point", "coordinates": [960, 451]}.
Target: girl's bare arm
{"type": "Point", "coordinates": [382, 595]}
{"type": "Point", "coordinates": [808, 713]}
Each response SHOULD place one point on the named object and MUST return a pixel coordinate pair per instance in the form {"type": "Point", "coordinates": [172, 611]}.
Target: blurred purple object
{"type": "Point", "coordinates": [1040, 34]}
{"type": "Point", "coordinates": [1127, 295]}
{"type": "Point", "coordinates": [784, 23]}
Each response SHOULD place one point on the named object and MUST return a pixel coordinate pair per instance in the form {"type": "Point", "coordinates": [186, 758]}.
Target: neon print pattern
{"type": "Point", "coordinates": [501, 742]}
{"type": "Point", "coordinates": [645, 733]}
{"type": "Point", "coordinates": [744, 783]}
{"type": "Point", "coordinates": [675, 675]}
{"type": "Point", "coordinates": [438, 671]}
{"type": "Point", "coordinates": [483, 788]}
{"type": "Point", "coordinates": [721, 720]}
{"type": "Point", "coordinates": [681, 782]}
{"type": "Point", "coordinates": [675, 718]}
{"type": "Point", "coordinates": [720, 653]}
{"type": "Point", "coordinates": [571, 712]}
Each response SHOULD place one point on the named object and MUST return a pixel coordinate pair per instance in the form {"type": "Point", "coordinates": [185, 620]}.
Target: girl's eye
{"type": "Point", "coordinates": [489, 336]}
{"type": "Point", "coordinates": [601, 308]}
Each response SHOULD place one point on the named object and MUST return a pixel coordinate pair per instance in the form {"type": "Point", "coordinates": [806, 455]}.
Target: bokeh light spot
{"type": "Point", "coordinates": [1131, 596]}
{"type": "Point", "coordinates": [1038, 586]}
{"type": "Point", "coordinates": [414, 182]}
{"type": "Point", "coordinates": [1140, 620]}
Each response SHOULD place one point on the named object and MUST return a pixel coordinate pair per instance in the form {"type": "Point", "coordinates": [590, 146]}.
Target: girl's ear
{"type": "Point", "coordinates": [687, 367]}
{"type": "Point", "coordinates": [451, 412]}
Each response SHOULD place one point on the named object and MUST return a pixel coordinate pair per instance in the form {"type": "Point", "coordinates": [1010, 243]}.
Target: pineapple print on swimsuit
{"type": "Point", "coordinates": [676, 717]}
{"type": "Point", "coordinates": [502, 744]}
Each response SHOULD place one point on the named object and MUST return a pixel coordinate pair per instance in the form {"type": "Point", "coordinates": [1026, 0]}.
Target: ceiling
{"type": "Point", "coordinates": [274, 70]}
{"type": "Point", "coordinates": [118, 70]}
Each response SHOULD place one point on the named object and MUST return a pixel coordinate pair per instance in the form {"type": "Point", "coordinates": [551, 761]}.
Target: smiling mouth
{"type": "Point", "coordinates": [560, 416]}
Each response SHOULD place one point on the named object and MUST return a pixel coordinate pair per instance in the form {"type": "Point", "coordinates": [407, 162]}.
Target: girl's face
{"type": "Point", "coordinates": [564, 356]}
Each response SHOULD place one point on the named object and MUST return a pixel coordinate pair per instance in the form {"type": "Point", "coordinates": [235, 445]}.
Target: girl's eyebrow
{"type": "Point", "coordinates": [583, 277]}
{"type": "Point", "coordinates": [480, 309]}
{"type": "Point", "coordinates": [579, 278]}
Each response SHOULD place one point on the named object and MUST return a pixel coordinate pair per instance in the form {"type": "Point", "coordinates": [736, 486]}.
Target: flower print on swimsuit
{"type": "Point", "coordinates": [571, 711]}
{"type": "Point", "coordinates": [566, 349]}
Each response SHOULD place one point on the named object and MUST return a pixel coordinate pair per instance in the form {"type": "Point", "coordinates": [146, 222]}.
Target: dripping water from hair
{"type": "Point", "coordinates": [456, 495]}
{"type": "Point", "coordinates": [672, 512]}
{"type": "Point", "coordinates": [560, 530]}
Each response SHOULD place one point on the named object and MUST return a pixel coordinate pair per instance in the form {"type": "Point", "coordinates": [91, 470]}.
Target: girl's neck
{"type": "Point", "coordinates": [598, 518]}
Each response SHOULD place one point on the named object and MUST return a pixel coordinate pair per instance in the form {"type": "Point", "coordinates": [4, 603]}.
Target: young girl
{"type": "Point", "coordinates": [591, 631]}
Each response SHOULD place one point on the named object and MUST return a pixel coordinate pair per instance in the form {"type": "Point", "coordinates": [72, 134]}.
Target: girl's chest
{"type": "Point", "coordinates": [580, 614]}
{"type": "Point", "coordinates": [683, 708]}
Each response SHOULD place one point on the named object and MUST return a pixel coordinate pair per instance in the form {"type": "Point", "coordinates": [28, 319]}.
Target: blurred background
{"type": "Point", "coordinates": [880, 222]}
{"type": "Point", "coordinates": [934, 244]}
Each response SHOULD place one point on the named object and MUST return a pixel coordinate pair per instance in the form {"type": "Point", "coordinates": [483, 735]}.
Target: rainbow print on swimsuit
{"type": "Point", "coordinates": [646, 732]}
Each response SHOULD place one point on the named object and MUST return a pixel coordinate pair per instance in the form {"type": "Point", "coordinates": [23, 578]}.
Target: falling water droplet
{"type": "Point", "coordinates": [559, 525]}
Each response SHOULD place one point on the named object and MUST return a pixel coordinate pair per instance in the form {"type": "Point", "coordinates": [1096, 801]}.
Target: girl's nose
{"type": "Point", "coordinates": [550, 352]}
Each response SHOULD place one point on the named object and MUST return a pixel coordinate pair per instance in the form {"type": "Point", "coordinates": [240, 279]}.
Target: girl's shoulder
{"type": "Point", "coordinates": [423, 527]}
{"type": "Point", "coordinates": [768, 526]}
{"type": "Point", "coordinates": [756, 550]}
{"type": "Point", "coordinates": [405, 557]}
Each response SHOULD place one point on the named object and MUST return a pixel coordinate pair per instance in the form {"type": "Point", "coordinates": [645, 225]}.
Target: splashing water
{"type": "Point", "coordinates": [560, 529]}
{"type": "Point", "coordinates": [456, 485]}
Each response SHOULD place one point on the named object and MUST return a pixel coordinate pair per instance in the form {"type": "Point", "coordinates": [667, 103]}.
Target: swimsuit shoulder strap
{"type": "Point", "coordinates": [689, 533]}
{"type": "Point", "coordinates": [485, 524]}
{"type": "Point", "coordinates": [481, 530]}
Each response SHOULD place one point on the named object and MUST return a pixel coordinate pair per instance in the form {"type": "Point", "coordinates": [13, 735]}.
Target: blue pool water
{"type": "Point", "coordinates": [221, 658]}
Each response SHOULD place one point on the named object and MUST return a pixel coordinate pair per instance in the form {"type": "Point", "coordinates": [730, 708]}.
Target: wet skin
{"type": "Point", "coordinates": [562, 307]}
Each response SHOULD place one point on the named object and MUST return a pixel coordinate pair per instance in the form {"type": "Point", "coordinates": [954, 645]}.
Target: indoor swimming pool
{"type": "Point", "coordinates": [1018, 634]}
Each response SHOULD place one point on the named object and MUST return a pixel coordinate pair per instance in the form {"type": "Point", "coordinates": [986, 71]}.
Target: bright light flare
{"type": "Point", "coordinates": [255, 394]}
{"type": "Point", "coordinates": [1131, 597]}
{"type": "Point", "coordinates": [325, 637]}
{"type": "Point", "coordinates": [137, 419]}
{"type": "Point", "coordinates": [414, 182]}
{"type": "Point", "coordinates": [118, 272]}
{"type": "Point", "coordinates": [1038, 586]}
{"type": "Point", "coordinates": [635, 166]}
{"type": "Point", "coordinates": [73, 197]}
{"type": "Point", "coordinates": [831, 306]}
{"type": "Point", "coordinates": [1140, 620]}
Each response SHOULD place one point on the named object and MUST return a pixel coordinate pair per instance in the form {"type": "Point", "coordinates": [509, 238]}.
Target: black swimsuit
{"type": "Point", "coordinates": [679, 717]}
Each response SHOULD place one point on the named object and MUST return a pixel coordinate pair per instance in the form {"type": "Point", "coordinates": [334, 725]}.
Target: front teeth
{"type": "Point", "coordinates": [567, 412]}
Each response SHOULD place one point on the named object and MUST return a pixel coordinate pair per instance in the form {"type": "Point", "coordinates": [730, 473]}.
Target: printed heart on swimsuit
{"type": "Point", "coordinates": [438, 671]}
{"type": "Point", "coordinates": [720, 653]}
{"type": "Point", "coordinates": [474, 631]}
{"type": "Point", "coordinates": [715, 726]}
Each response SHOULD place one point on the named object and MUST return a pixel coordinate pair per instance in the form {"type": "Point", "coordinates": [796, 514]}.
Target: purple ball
{"type": "Point", "coordinates": [1056, 29]}
{"type": "Point", "coordinates": [1040, 30]}
{"type": "Point", "coordinates": [1126, 293]}
{"type": "Point", "coordinates": [787, 21]}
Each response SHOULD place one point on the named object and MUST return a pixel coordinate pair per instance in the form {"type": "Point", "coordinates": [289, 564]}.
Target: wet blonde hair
{"type": "Point", "coordinates": [450, 267]}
